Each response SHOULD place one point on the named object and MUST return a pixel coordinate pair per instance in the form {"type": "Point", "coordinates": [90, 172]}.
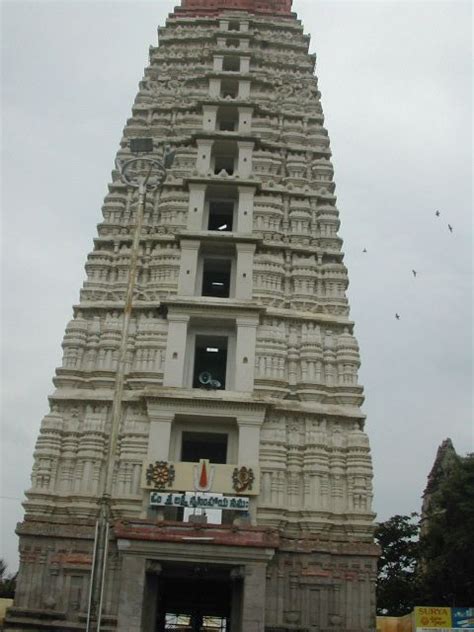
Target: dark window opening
{"type": "Point", "coordinates": [229, 89]}
{"type": "Point", "coordinates": [210, 362]}
{"type": "Point", "coordinates": [221, 216]}
{"type": "Point", "coordinates": [227, 119]}
{"type": "Point", "coordinates": [216, 278]}
{"type": "Point", "coordinates": [204, 445]}
{"type": "Point", "coordinates": [234, 26]}
{"type": "Point", "coordinates": [227, 125]}
{"type": "Point", "coordinates": [231, 64]}
{"type": "Point", "coordinates": [224, 163]}
{"type": "Point", "coordinates": [232, 43]}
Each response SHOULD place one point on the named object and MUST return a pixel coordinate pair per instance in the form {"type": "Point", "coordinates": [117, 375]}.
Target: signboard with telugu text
{"type": "Point", "coordinates": [199, 501]}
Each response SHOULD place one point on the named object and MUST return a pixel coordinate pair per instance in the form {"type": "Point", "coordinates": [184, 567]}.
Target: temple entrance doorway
{"type": "Point", "coordinates": [197, 598]}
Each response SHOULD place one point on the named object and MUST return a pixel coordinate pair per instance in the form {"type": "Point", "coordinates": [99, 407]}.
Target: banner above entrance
{"type": "Point", "coordinates": [199, 501]}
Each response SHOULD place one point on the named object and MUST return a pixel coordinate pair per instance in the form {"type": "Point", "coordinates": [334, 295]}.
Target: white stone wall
{"type": "Point", "coordinates": [289, 289]}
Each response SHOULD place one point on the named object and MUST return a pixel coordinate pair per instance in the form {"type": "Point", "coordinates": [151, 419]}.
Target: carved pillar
{"type": "Point", "coordinates": [189, 266]}
{"type": "Point", "coordinates": [151, 596]}
{"type": "Point", "coordinates": [253, 602]}
{"type": "Point", "coordinates": [132, 589]}
{"type": "Point", "coordinates": [176, 349]}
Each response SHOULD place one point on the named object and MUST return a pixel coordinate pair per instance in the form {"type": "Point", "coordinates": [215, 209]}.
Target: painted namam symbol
{"type": "Point", "coordinates": [203, 476]}
{"type": "Point", "coordinates": [160, 474]}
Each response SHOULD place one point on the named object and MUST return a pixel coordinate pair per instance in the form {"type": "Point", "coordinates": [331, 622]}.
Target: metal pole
{"type": "Point", "coordinates": [94, 616]}
{"type": "Point", "coordinates": [122, 359]}
{"type": "Point", "coordinates": [94, 558]}
{"type": "Point", "coordinates": [104, 567]}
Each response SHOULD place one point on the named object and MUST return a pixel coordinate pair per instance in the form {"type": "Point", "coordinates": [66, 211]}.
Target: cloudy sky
{"type": "Point", "coordinates": [395, 78]}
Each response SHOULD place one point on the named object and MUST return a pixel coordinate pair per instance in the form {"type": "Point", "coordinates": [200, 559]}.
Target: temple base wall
{"type": "Point", "coordinates": [278, 584]}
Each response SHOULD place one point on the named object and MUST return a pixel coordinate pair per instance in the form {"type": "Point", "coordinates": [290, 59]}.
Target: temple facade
{"type": "Point", "coordinates": [241, 476]}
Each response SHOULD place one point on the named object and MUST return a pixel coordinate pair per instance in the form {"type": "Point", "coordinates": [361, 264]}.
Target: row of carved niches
{"type": "Point", "coordinates": [281, 131]}
{"type": "Point", "coordinates": [273, 166]}
{"type": "Point", "coordinates": [202, 60]}
{"type": "Point", "coordinates": [175, 53]}
{"type": "Point", "coordinates": [271, 84]}
{"type": "Point", "coordinates": [289, 131]}
{"type": "Point", "coordinates": [291, 95]}
{"type": "Point", "coordinates": [310, 361]}
{"type": "Point", "coordinates": [277, 132]}
{"type": "Point", "coordinates": [191, 51]}
{"type": "Point", "coordinates": [307, 461]}
{"type": "Point", "coordinates": [92, 341]}
{"type": "Point", "coordinates": [62, 566]}
{"type": "Point", "coordinates": [165, 124]}
{"type": "Point", "coordinates": [286, 34]}
{"type": "Point", "coordinates": [108, 269]}
{"type": "Point", "coordinates": [317, 589]}
{"type": "Point", "coordinates": [280, 280]}
{"type": "Point", "coordinates": [314, 464]}
{"type": "Point", "coordinates": [199, 42]}
{"type": "Point", "coordinates": [70, 453]}
{"type": "Point", "coordinates": [277, 211]}
{"type": "Point", "coordinates": [314, 362]}
{"type": "Point", "coordinates": [277, 218]}
{"type": "Point", "coordinates": [167, 208]}
{"type": "Point", "coordinates": [293, 170]}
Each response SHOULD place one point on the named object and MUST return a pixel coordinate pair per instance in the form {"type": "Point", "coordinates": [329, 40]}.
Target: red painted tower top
{"type": "Point", "coordinates": [191, 8]}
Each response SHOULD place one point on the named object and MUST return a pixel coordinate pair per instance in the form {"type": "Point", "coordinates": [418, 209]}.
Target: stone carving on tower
{"type": "Point", "coordinates": [240, 362]}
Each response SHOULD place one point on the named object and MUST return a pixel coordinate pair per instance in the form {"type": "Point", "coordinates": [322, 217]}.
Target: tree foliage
{"type": "Point", "coordinates": [7, 582]}
{"type": "Point", "coordinates": [446, 574]}
{"type": "Point", "coordinates": [397, 565]}
{"type": "Point", "coordinates": [434, 567]}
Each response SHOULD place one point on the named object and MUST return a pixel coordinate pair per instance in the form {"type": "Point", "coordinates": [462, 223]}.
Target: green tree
{"type": "Point", "coordinates": [7, 582]}
{"type": "Point", "coordinates": [397, 581]}
{"type": "Point", "coordinates": [447, 543]}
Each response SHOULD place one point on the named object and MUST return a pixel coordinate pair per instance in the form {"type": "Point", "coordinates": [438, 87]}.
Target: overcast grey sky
{"type": "Point", "coordinates": [395, 78]}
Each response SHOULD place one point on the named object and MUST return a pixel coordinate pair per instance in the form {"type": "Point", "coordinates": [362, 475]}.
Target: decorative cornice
{"type": "Point", "coordinates": [196, 8]}
{"type": "Point", "coordinates": [188, 534]}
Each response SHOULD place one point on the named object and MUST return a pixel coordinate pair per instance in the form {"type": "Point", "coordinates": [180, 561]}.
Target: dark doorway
{"type": "Point", "coordinates": [221, 215]}
{"type": "Point", "coordinates": [216, 277]}
{"type": "Point", "coordinates": [194, 599]}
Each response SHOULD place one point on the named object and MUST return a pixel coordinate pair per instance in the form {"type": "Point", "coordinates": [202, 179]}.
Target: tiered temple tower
{"type": "Point", "coordinates": [240, 391]}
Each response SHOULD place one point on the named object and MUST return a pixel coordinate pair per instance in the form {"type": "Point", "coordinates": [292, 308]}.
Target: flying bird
{"type": "Point", "coordinates": [450, 228]}
{"type": "Point", "coordinates": [437, 213]}
{"type": "Point", "coordinates": [397, 316]}
{"type": "Point", "coordinates": [365, 250]}
{"type": "Point", "coordinates": [414, 273]}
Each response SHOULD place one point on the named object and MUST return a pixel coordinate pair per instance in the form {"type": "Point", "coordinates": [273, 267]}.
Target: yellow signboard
{"type": "Point", "coordinates": [431, 617]}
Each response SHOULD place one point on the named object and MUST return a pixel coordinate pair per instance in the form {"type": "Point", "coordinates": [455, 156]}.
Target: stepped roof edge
{"type": "Point", "coordinates": [195, 8]}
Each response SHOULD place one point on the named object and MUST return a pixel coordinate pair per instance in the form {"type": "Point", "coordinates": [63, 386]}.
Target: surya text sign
{"type": "Point", "coordinates": [433, 618]}
{"type": "Point", "coordinates": [199, 501]}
